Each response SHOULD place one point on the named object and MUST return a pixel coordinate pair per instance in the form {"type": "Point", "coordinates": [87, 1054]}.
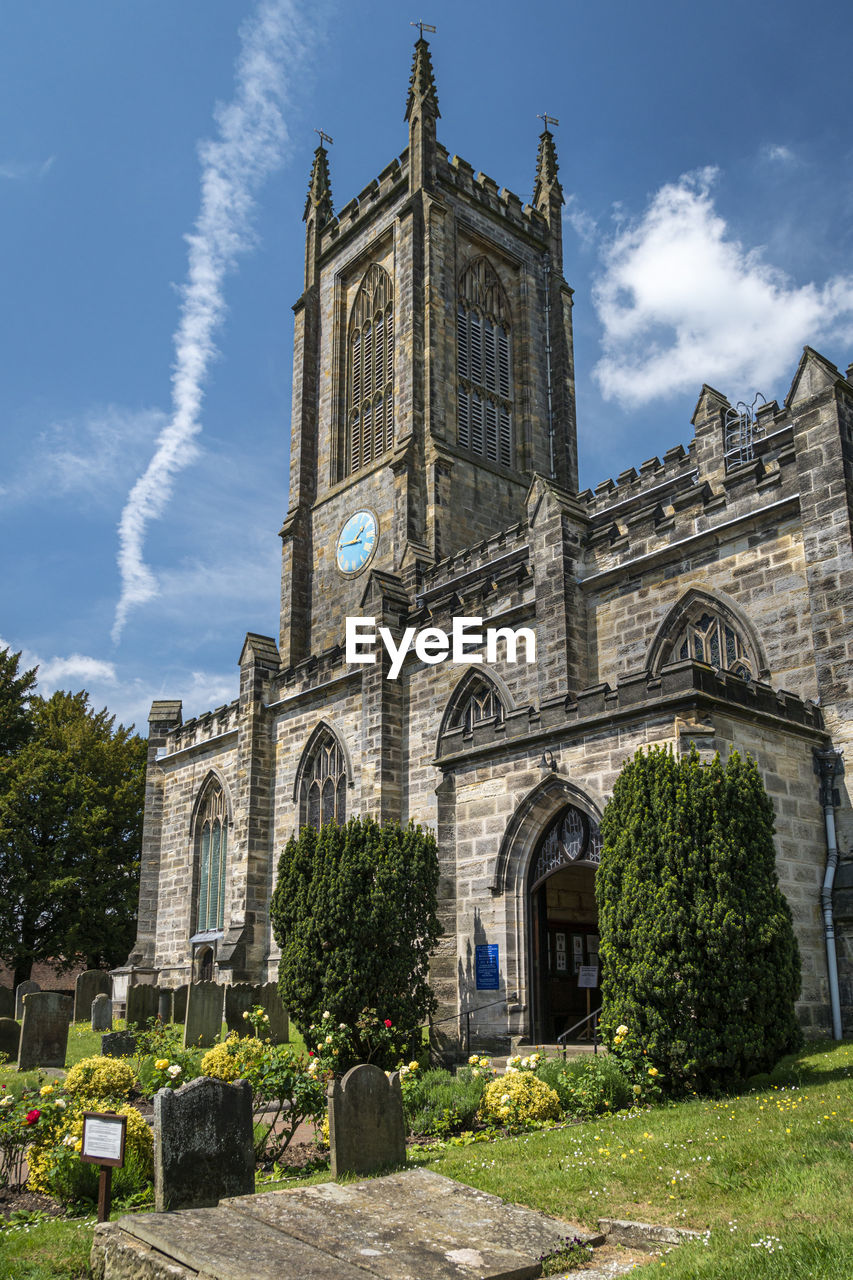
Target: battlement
{"type": "Point", "coordinates": [459, 174]}
{"type": "Point", "coordinates": [391, 183]}
{"type": "Point", "coordinates": [206, 727]}
{"type": "Point", "coordinates": [479, 556]}
{"type": "Point", "coordinates": [312, 672]}
{"type": "Point", "coordinates": [677, 685]}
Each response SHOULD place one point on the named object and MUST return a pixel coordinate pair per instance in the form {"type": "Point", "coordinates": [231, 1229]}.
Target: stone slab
{"type": "Point", "coordinates": [23, 989]}
{"type": "Point", "coordinates": [118, 1044]}
{"type": "Point", "coordinates": [214, 1243]}
{"type": "Point", "coordinates": [44, 1030]}
{"type": "Point", "coordinates": [7, 1002]}
{"type": "Point", "coordinates": [414, 1225]}
{"type": "Point", "coordinates": [203, 1143]}
{"type": "Point", "coordinates": [10, 1038]}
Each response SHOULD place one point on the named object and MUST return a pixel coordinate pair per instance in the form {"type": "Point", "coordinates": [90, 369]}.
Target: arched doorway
{"type": "Point", "coordinates": [563, 921]}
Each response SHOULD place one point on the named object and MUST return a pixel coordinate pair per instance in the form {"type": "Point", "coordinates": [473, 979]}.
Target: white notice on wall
{"type": "Point", "coordinates": [103, 1139]}
{"type": "Point", "coordinates": [588, 975]}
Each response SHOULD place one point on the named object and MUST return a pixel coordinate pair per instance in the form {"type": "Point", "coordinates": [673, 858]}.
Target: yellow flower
{"type": "Point", "coordinates": [46, 1090]}
{"type": "Point", "coordinates": [653, 1071]}
{"type": "Point", "coordinates": [161, 1064]}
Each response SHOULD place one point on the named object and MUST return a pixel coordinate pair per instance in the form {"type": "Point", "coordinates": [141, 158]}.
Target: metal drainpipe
{"type": "Point", "coordinates": [828, 764]}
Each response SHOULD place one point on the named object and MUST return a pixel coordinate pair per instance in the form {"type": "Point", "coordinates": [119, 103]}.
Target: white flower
{"type": "Point", "coordinates": [342, 1026]}
{"type": "Point", "coordinates": [246, 1015]}
{"type": "Point", "coordinates": [511, 1071]}
{"type": "Point", "coordinates": [622, 1030]}
{"type": "Point", "coordinates": [8, 1101]}
{"type": "Point", "coordinates": [328, 1040]}
{"type": "Point", "coordinates": [326, 1013]}
{"type": "Point", "coordinates": [69, 1140]}
{"type": "Point", "coordinates": [174, 1070]}
{"type": "Point", "coordinates": [60, 1102]}
{"type": "Point", "coordinates": [505, 1100]}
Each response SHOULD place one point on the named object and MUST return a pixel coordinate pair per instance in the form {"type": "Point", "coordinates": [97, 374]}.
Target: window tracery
{"type": "Point", "coordinates": [710, 638]}
{"type": "Point", "coordinates": [212, 838]}
{"type": "Point", "coordinates": [484, 358]}
{"type": "Point", "coordinates": [479, 703]}
{"type": "Point", "coordinates": [323, 790]}
{"type": "Point", "coordinates": [572, 837]}
{"type": "Point", "coordinates": [370, 347]}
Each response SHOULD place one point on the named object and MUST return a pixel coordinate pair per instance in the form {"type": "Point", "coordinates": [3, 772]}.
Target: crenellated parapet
{"type": "Point", "coordinates": [209, 727]}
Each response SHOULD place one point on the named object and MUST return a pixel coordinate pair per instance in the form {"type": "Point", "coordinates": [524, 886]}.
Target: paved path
{"type": "Point", "coordinates": [414, 1225]}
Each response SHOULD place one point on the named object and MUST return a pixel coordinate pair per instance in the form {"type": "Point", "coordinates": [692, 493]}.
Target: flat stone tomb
{"type": "Point", "coordinates": [406, 1226]}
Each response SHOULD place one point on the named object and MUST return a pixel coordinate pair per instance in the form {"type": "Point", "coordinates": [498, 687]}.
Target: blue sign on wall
{"type": "Point", "coordinates": [486, 965]}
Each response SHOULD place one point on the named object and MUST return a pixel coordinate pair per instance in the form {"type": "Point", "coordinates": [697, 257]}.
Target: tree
{"type": "Point", "coordinates": [699, 958]}
{"type": "Point", "coordinates": [354, 912]}
{"type": "Point", "coordinates": [70, 833]}
{"type": "Point", "coordinates": [15, 692]}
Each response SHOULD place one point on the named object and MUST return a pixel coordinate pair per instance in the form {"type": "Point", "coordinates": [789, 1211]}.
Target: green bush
{"type": "Point", "coordinates": [354, 912]}
{"type": "Point", "coordinates": [437, 1104]}
{"type": "Point", "coordinates": [100, 1079]}
{"type": "Point", "coordinates": [592, 1087]}
{"type": "Point", "coordinates": [698, 951]}
{"type": "Point", "coordinates": [518, 1099]}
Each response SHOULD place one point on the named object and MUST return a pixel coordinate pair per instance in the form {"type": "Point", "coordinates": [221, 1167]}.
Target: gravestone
{"type": "Point", "coordinates": [10, 1038]}
{"type": "Point", "coordinates": [366, 1129]}
{"type": "Point", "coordinates": [239, 998]}
{"type": "Point", "coordinates": [203, 1143]}
{"type": "Point", "coordinates": [165, 1001]}
{"type": "Point", "coordinates": [179, 1004]}
{"type": "Point", "coordinates": [7, 1002]}
{"type": "Point", "coordinates": [23, 989]}
{"type": "Point", "coordinates": [44, 1030]}
{"type": "Point", "coordinates": [102, 1013]}
{"type": "Point", "coordinates": [142, 1002]}
{"type": "Point", "coordinates": [279, 1028]}
{"type": "Point", "coordinates": [90, 983]}
{"type": "Point", "coordinates": [118, 1044]}
{"type": "Point", "coordinates": [204, 1014]}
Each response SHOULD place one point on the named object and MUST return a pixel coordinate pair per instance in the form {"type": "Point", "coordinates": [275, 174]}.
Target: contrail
{"type": "Point", "coordinates": [251, 143]}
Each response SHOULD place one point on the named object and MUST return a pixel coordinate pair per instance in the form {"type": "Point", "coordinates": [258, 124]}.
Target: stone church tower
{"type": "Point", "coordinates": [704, 599]}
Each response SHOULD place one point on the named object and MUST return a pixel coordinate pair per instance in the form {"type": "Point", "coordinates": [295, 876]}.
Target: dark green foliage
{"type": "Point", "coordinates": [698, 953]}
{"type": "Point", "coordinates": [437, 1104]}
{"type": "Point", "coordinates": [16, 689]}
{"type": "Point", "coordinates": [70, 833]}
{"type": "Point", "coordinates": [354, 912]}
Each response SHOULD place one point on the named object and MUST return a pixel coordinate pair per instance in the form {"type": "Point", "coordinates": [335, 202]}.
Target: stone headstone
{"type": "Point", "coordinates": [44, 1030]}
{"type": "Point", "coordinates": [118, 1044]}
{"type": "Point", "coordinates": [90, 983]}
{"type": "Point", "coordinates": [10, 1038]}
{"type": "Point", "coordinates": [179, 1004]}
{"type": "Point", "coordinates": [239, 998]}
{"type": "Point", "coordinates": [142, 1002]}
{"type": "Point", "coordinates": [366, 1129]}
{"type": "Point", "coordinates": [279, 1028]}
{"type": "Point", "coordinates": [102, 1013]}
{"type": "Point", "coordinates": [165, 1001]}
{"type": "Point", "coordinates": [7, 1002]}
{"type": "Point", "coordinates": [204, 1014]}
{"type": "Point", "coordinates": [23, 989]}
{"type": "Point", "coordinates": [203, 1143]}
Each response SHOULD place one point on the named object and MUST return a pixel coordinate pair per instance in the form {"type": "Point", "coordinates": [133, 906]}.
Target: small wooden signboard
{"type": "Point", "coordinates": [104, 1135]}
{"type": "Point", "coordinates": [587, 978]}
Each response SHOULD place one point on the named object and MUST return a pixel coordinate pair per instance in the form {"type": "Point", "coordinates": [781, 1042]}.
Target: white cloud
{"type": "Point", "coordinates": [581, 222]}
{"type": "Point", "coordinates": [95, 454]}
{"type": "Point", "coordinates": [25, 170]}
{"type": "Point", "coordinates": [778, 153]}
{"type": "Point", "coordinates": [683, 302]}
{"type": "Point", "coordinates": [64, 673]}
{"type": "Point", "coordinates": [250, 145]}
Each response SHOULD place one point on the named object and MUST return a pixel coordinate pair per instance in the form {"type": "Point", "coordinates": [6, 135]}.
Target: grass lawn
{"type": "Point", "coordinates": [768, 1173]}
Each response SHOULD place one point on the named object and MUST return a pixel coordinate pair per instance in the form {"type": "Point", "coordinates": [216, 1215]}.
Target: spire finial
{"type": "Point", "coordinates": [547, 182]}
{"type": "Point", "coordinates": [320, 184]}
{"type": "Point", "coordinates": [422, 81]}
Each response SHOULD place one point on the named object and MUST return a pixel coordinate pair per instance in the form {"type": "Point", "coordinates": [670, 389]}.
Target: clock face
{"type": "Point", "coordinates": [356, 542]}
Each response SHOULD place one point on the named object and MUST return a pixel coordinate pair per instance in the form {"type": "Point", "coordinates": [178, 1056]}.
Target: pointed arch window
{"type": "Point", "coordinates": [370, 354]}
{"type": "Point", "coordinates": [712, 639]}
{"type": "Point", "coordinates": [212, 839]}
{"type": "Point", "coordinates": [484, 423]}
{"type": "Point", "coordinates": [323, 789]}
{"type": "Point", "coordinates": [570, 838]}
{"type": "Point", "coordinates": [479, 703]}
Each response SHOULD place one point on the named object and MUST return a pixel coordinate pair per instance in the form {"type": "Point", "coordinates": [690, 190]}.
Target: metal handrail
{"type": "Point", "coordinates": [584, 1019]}
{"type": "Point", "coordinates": [466, 1014]}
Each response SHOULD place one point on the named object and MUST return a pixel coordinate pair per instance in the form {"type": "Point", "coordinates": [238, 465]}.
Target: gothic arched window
{"type": "Point", "coordinates": [479, 702]}
{"type": "Point", "coordinates": [370, 356]}
{"type": "Point", "coordinates": [323, 788]}
{"type": "Point", "coordinates": [571, 837]}
{"type": "Point", "coordinates": [712, 639]}
{"type": "Point", "coordinates": [484, 356]}
{"type": "Point", "coordinates": [212, 843]}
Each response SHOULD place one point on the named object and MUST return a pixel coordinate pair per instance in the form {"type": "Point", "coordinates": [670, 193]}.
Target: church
{"type": "Point", "coordinates": [699, 600]}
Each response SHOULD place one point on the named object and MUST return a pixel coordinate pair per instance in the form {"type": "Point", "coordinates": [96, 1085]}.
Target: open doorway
{"type": "Point", "coordinates": [564, 923]}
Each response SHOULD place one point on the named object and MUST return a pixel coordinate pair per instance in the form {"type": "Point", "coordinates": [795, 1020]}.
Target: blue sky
{"type": "Point", "coordinates": [153, 166]}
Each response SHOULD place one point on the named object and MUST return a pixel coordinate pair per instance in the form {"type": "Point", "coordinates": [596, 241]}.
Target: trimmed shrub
{"type": "Point", "coordinates": [698, 951]}
{"type": "Point", "coordinates": [55, 1167]}
{"type": "Point", "coordinates": [98, 1079]}
{"type": "Point", "coordinates": [437, 1104]}
{"type": "Point", "coordinates": [354, 912]}
{"type": "Point", "coordinates": [519, 1099]}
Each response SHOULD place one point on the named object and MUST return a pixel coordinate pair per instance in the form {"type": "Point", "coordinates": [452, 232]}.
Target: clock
{"type": "Point", "coordinates": [356, 542]}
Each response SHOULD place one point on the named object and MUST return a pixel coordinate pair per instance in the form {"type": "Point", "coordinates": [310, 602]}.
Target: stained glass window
{"type": "Point", "coordinates": [212, 836]}
{"type": "Point", "coordinates": [323, 791]}
{"type": "Point", "coordinates": [712, 639]}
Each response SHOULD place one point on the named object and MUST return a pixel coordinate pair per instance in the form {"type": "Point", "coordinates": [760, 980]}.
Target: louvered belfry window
{"type": "Point", "coordinates": [370, 399]}
{"type": "Point", "coordinates": [484, 345]}
{"type": "Point", "coordinates": [323, 792]}
{"type": "Point", "coordinates": [212, 828]}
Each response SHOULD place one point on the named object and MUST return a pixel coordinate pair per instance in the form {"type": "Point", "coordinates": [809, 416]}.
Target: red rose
{"type": "Point", "coordinates": [310, 1053]}
{"type": "Point", "coordinates": [388, 1022]}
{"type": "Point", "coordinates": [32, 1116]}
